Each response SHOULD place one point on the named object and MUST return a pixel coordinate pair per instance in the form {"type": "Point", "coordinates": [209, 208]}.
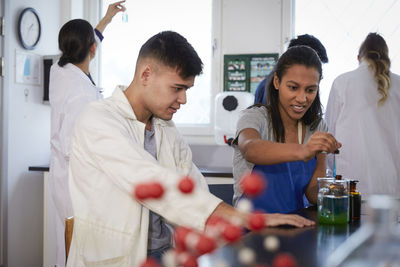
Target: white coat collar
{"type": "Point", "coordinates": [363, 64]}
{"type": "Point", "coordinates": [75, 69]}
{"type": "Point", "coordinates": [126, 109]}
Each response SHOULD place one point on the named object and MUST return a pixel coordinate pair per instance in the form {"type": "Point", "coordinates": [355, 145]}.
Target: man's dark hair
{"type": "Point", "coordinates": [313, 42]}
{"type": "Point", "coordinates": [74, 40]}
{"type": "Point", "coordinates": [174, 51]}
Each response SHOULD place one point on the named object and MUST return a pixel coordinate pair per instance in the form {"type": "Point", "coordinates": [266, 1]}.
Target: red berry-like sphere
{"type": "Point", "coordinates": [252, 184]}
{"type": "Point", "coordinates": [156, 190]}
{"type": "Point", "coordinates": [256, 221]}
{"type": "Point", "coordinates": [284, 260]}
{"type": "Point", "coordinates": [150, 263]}
{"type": "Point", "coordinates": [142, 191]}
{"type": "Point", "coordinates": [232, 233]}
{"type": "Point", "coordinates": [186, 185]}
{"type": "Point", "coordinates": [205, 245]}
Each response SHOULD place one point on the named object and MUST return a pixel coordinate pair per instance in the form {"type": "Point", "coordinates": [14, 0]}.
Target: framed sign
{"type": "Point", "coordinates": [27, 68]}
{"type": "Point", "coordinates": [243, 72]}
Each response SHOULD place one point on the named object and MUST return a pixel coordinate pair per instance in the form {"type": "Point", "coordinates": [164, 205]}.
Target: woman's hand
{"type": "Point", "coordinates": [112, 10]}
{"type": "Point", "coordinates": [319, 142]}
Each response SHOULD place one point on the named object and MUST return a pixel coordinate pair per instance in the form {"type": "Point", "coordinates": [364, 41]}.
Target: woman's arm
{"type": "Point", "coordinates": [112, 10]}
{"type": "Point", "coordinates": [264, 152]}
{"type": "Point", "coordinates": [312, 188]}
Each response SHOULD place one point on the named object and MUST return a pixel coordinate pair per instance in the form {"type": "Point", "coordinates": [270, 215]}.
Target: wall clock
{"type": "Point", "coordinates": [29, 28]}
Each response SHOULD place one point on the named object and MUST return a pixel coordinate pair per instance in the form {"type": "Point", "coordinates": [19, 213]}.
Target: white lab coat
{"type": "Point", "coordinates": [70, 90]}
{"type": "Point", "coordinates": [107, 160]}
{"type": "Point", "coordinates": [370, 134]}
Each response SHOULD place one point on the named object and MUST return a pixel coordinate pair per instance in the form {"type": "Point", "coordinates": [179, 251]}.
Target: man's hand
{"type": "Point", "coordinates": [275, 219]}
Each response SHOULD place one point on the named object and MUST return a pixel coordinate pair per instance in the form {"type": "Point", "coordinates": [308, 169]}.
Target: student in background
{"type": "Point", "coordinates": [71, 88]}
{"type": "Point", "coordinates": [128, 139]}
{"type": "Point", "coordinates": [283, 140]}
{"type": "Point", "coordinates": [364, 112]}
{"type": "Point", "coordinates": [305, 39]}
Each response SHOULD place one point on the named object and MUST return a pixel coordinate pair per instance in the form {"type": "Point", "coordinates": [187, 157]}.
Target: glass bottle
{"type": "Point", "coordinates": [355, 201]}
{"type": "Point", "coordinates": [376, 243]}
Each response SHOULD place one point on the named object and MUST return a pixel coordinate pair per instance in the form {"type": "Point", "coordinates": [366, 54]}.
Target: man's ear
{"type": "Point", "coordinates": [276, 81]}
{"type": "Point", "coordinates": [145, 74]}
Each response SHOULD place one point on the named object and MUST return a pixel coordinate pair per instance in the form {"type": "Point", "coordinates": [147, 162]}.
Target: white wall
{"type": "Point", "coordinates": [26, 129]}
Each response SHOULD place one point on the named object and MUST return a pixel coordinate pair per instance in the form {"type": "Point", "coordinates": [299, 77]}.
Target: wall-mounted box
{"type": "Point", "coordinates": [48, 61]}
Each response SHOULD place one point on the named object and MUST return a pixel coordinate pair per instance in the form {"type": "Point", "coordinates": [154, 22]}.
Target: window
{"type": "Point", "coordinates": [126, 34]}
{"type": "Point", "coordinates": [342, 26]}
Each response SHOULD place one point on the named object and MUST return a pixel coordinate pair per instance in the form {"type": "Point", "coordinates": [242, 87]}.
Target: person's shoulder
{"type": "Point", "coordinates": [95, 109]}
{"type": "Point", "coordinates": [394, 77]}
{"type": "Point", "coordinates": [253, 116]}
{"type": "Point", "coordinates": [255, 110]}
{"type": "Point", "coordinates": [344, 76]}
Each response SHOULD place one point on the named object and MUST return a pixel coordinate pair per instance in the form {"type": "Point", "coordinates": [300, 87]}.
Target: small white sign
{"type": "Point", "coordinates": [27, 68]}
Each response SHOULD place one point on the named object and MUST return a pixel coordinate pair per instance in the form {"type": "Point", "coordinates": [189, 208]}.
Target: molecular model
{"type": "Point", "coordinates": [190, 244]}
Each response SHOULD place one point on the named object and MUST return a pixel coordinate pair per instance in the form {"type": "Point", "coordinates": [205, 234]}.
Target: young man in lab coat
{"type": "Point", "coordinates": [128, 139]}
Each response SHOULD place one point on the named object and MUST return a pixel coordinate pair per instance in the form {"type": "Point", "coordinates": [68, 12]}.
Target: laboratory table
{"type": "Point", "coordinates": [310, 246]}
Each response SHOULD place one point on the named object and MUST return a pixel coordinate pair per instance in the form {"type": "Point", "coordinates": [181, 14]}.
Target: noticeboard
{"type": "Point", "coordinates": [243, 72]}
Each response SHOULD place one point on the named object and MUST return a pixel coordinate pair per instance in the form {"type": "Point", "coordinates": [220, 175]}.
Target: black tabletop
{"type": "Point", "coordinates": [309, 246]}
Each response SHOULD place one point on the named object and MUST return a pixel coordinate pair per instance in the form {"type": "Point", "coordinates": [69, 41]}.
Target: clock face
{"type": "Point", "coordinates": [29, 28]}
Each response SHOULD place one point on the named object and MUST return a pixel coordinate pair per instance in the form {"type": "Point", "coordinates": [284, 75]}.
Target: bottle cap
{"type": "Point", "coordinates": [353, 185]}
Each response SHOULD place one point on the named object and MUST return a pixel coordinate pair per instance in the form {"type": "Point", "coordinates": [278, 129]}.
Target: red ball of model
{"type": "Point", "coordinates": [252, 184]}
{"type": "Point", "coordinates": [189, 261]}
{"type": "Point", "coordinates": [180, 236]}
{"type": "Point", "coordinates": [156, 190]}
{"type": "Point", "coordinates": [141, 191]}
{"type": "Point", "coordinates": [232, 233]}
{"type": "Point", "coordinates": [284, 260]}
{"type": "Point", "coordinates": [150, 263]}
{"type": "Point", "coordinates": [186, 185]}
{"type": "Point", "coordinates": [205, 245]}
{"type": "Point", "coordinates": [256, 221]}
{"type": "Point", "coordinates": [148, 190]}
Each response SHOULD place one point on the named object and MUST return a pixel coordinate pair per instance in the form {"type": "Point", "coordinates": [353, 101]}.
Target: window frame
{"type": "Point", "coordinates": [93, 13]}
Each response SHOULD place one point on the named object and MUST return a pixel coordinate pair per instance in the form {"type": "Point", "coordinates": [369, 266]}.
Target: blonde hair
{"type": "Point", "coordinates": [375, 52]}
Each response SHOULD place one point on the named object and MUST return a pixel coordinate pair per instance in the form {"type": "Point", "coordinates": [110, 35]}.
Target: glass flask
{"type": "Point", "coordinates": [333, 201]}
{"type": "Point", "coordinates": [376, 243]}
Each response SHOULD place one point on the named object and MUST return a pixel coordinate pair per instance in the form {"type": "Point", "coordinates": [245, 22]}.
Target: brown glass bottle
{"type": "Point", "coordinates": [355, 201]}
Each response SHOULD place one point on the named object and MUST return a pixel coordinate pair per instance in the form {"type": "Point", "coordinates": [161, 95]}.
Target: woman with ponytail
{"type": "Point", "coordinates": [71, 88]}
{"type": "Point", "coordinates": [364, 113]}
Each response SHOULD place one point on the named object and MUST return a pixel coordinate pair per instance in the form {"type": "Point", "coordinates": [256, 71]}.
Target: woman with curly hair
{"type": "Point", "coordinates": [364, 113]}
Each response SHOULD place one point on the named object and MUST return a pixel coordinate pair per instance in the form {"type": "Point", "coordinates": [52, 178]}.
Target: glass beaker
{"type": "Point", "coordinates": [333, 201]}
